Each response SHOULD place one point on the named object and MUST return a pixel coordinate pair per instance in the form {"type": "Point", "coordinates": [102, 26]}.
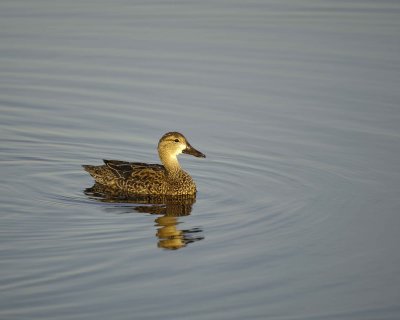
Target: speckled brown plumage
{"type": "Point", "coordinates": [151, 179]}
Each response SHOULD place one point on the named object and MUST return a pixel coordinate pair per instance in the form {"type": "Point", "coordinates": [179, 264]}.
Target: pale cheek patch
{"type": "Point", "coordinates": [181, 148]}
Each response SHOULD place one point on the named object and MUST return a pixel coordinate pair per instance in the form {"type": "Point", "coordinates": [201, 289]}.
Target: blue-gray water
{"type": "Point", "coordinates": [295, 104]}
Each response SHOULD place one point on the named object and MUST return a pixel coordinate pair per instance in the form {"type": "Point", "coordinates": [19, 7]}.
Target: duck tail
{"type": "Point", "coordinates": [101, 174]}
{"type": "Point", "coordinates": [97, 172]}
{"type": "Point", "coordinates": [90, 169]}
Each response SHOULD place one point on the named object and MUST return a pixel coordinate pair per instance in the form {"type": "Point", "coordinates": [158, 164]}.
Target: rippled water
{"type": "Point", "coordinates": [295, 104]}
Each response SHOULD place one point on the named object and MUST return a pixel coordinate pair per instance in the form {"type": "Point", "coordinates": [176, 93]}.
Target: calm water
{"type": "Point", "coordinates": [295, 104]}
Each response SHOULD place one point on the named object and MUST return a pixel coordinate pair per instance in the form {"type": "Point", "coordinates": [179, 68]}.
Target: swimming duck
{"type": "Point", "coordinates": [150, 179]}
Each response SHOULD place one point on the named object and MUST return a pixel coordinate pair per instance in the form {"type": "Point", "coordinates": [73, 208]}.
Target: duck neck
{"type": "Point", "coordinates": [170, 163]}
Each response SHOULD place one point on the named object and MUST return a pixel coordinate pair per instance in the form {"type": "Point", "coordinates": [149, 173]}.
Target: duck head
{"type": "Point", "coordinates": [174, 143]}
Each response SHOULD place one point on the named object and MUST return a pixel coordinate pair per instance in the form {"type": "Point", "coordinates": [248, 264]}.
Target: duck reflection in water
{"type": "Point", "coordinates": [168, 209]}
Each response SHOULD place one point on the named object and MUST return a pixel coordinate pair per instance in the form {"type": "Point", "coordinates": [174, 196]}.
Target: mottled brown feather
{"type": "Point", "coordinates": [150, 179]}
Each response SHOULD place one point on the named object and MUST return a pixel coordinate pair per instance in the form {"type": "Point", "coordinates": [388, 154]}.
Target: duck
{"type": "Point", "coordinates": [139, 178]}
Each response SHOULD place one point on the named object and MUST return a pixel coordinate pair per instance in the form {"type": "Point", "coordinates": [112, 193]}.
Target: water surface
{"type": "Point", "coordinates": [295, 104]}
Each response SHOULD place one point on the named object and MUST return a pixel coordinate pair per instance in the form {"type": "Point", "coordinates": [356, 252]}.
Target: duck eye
{"type": "Point", "coordinates": [176, 140]}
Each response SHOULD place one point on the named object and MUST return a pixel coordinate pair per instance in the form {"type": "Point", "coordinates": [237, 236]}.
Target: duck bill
{"type": "Point", "coordinates": [190, 150]}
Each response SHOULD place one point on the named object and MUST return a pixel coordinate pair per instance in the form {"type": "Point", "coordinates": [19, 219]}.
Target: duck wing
{"type": "Point", "coordinates": [132, 177]}
{"type": "Point", "coordinates": [126, 170]}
